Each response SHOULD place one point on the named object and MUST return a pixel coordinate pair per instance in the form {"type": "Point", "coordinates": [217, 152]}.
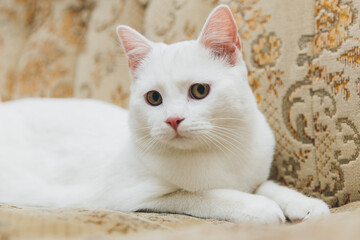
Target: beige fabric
{"type": "Point", "coordinates": [303, 66]}
{"type": "Point", "coordinates": [303, 58]}
{"type": "Point", "coordinates": [270, 32]}
{"type": "Point", "coordinates": [32, 223]}
{"type": "Point", "coordinates": [335, 77]}
{"type": "Point", "coordinates": [102, 70]}
{"type": "Point", "coordinates": [65, 48]}
{"type": "Point", "coordinates": [173, 21]}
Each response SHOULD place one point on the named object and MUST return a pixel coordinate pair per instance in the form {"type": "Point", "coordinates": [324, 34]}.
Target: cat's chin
{"type": "Point", "coordinates": [182, 143]}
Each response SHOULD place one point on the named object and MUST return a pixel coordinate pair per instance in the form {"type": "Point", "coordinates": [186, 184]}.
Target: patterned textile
{"type": "Point", "coordinates": [34, 223]}
{"type": "Point", "coordinates": [303, 58]}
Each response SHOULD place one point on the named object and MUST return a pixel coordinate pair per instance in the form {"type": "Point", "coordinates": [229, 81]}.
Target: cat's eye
{"type": "Point", "coordinates": [153, 98]}
{"type": "Point", "coordinates": [199, 90]}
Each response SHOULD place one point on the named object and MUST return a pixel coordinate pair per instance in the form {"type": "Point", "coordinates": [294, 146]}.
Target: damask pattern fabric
{"type": "Point", "coordinates": [65, 48]}
{"type": "Point", "coordinates": [303, 58]}
{"type": "Point", "coordinates": [34, 223]}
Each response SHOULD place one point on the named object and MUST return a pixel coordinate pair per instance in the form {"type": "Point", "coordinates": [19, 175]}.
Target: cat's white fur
{"type": "Point", "coordinates": [85, 153]}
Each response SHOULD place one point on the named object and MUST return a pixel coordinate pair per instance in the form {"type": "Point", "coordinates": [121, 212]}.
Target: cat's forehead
{"type": "Point", "coordinates": [177, 54]}
{"type": "Point", "coordinates": [179, 63]}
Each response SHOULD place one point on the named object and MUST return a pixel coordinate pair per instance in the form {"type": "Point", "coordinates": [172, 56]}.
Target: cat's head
{"type": "Point", "coordinates": [191, 94]}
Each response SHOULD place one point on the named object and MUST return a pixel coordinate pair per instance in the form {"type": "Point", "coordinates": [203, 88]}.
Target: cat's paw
{"type": "Point", "coordinates": [305, 208]}
{"type": "Point", "coordinates": [264, 211]}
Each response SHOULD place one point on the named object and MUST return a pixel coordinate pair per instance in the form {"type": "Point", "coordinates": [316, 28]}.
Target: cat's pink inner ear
{"type": "Point", "coordinates": [135, 45]}
{"type": "Point", "coordinates": [220, 34]}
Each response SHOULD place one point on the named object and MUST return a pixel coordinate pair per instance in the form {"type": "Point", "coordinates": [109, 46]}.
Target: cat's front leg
{"type": "Point", "coordinates": [296, 206]}
{"type": "Point", "coordinates": [221, 204]}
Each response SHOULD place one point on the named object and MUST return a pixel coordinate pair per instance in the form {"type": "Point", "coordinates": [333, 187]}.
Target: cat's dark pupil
{"type": "Point", "coordinates": [155, 96]}
{"type": "Point", "coordinates": [201, 89]}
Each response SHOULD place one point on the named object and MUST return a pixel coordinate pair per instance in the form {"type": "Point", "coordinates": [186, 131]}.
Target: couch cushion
{"type": "Point", "coordinates": [33, 223]}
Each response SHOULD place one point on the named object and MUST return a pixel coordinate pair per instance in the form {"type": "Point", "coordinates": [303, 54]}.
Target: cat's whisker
{"type": "Point", "coordinates": [234, 153]}
{"type": "Point", "coordinates": [153, 143]}
{"type": "Point", "coordinates": [224, 118]}
{"type": "Point", "coordinates": [141, 128]}
{"type": "Point", "coordinates": [220, 140]}
{"type": "Point", "coordinates": [148, 147]}
{"type": "Point", "coordinates": [238, 127]}
{"type": "Point", "coordinates": [235, 119]}
{"type": "Point", "coordinates": [220, 146]}
{"type": "Point", "coordinates": [207, 138]}
{"type": "Point", "coordinates": [229, 133]}
{"type": "Point", "coordinates": [149, 143]}
{"type": "Point", "coordinates": [231, 138]}
{"type": "Point", "coordinates": [222, 136]}
{"type": "Point", "coordinates": [142, 138]}
{"type": "Point", "coordinates": [235, 139]}
{"type": "Point", "coordinates": [158, 145]}
{"type": "Point", "coordinates": [230, 128]}
{"type": "Point", "coordinates": [202, 140]}
{"type": "Point", "coordinates": [234, 131]}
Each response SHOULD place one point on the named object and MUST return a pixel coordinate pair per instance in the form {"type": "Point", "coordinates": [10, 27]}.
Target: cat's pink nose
{"type": "Point", "coordinates": [174, 122]}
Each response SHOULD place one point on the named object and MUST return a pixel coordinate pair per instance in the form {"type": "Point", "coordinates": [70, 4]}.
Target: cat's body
{"type": "Point", "coordinates": [195, 141]}
{"type": "Point", "coordinates": [50, 157]}
{"type": "Point", "coordinates": [67, 156]}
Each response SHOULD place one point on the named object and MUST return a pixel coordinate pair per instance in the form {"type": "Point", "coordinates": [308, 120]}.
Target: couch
{"type": "Point", "coordinates": [303, 58]}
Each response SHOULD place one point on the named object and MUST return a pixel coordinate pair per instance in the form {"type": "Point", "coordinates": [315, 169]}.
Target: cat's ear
{"type": "Point", "coordinates": [220, 34]}
{"type": "Point", "coordinates": [136, 46]}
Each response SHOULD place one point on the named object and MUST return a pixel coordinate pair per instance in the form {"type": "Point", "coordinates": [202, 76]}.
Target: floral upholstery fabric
{"type": "Point", "coordinates": [34, 223]}
{"type": "Point", "coordinates": [303, 58]}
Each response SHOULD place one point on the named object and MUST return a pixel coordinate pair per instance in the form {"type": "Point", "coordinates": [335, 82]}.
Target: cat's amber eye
{"type": "Point", "coordinates": [153, 98]}
{"type": "Point", "coordinates": [199, 90]}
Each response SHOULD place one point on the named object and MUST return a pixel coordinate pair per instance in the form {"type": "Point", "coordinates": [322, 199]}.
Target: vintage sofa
{"type": "Point", "coordinates": [303, 58]}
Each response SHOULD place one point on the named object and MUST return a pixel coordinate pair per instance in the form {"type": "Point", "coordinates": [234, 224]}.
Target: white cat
{"type": "Point", "coordinates": [195, 142]}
